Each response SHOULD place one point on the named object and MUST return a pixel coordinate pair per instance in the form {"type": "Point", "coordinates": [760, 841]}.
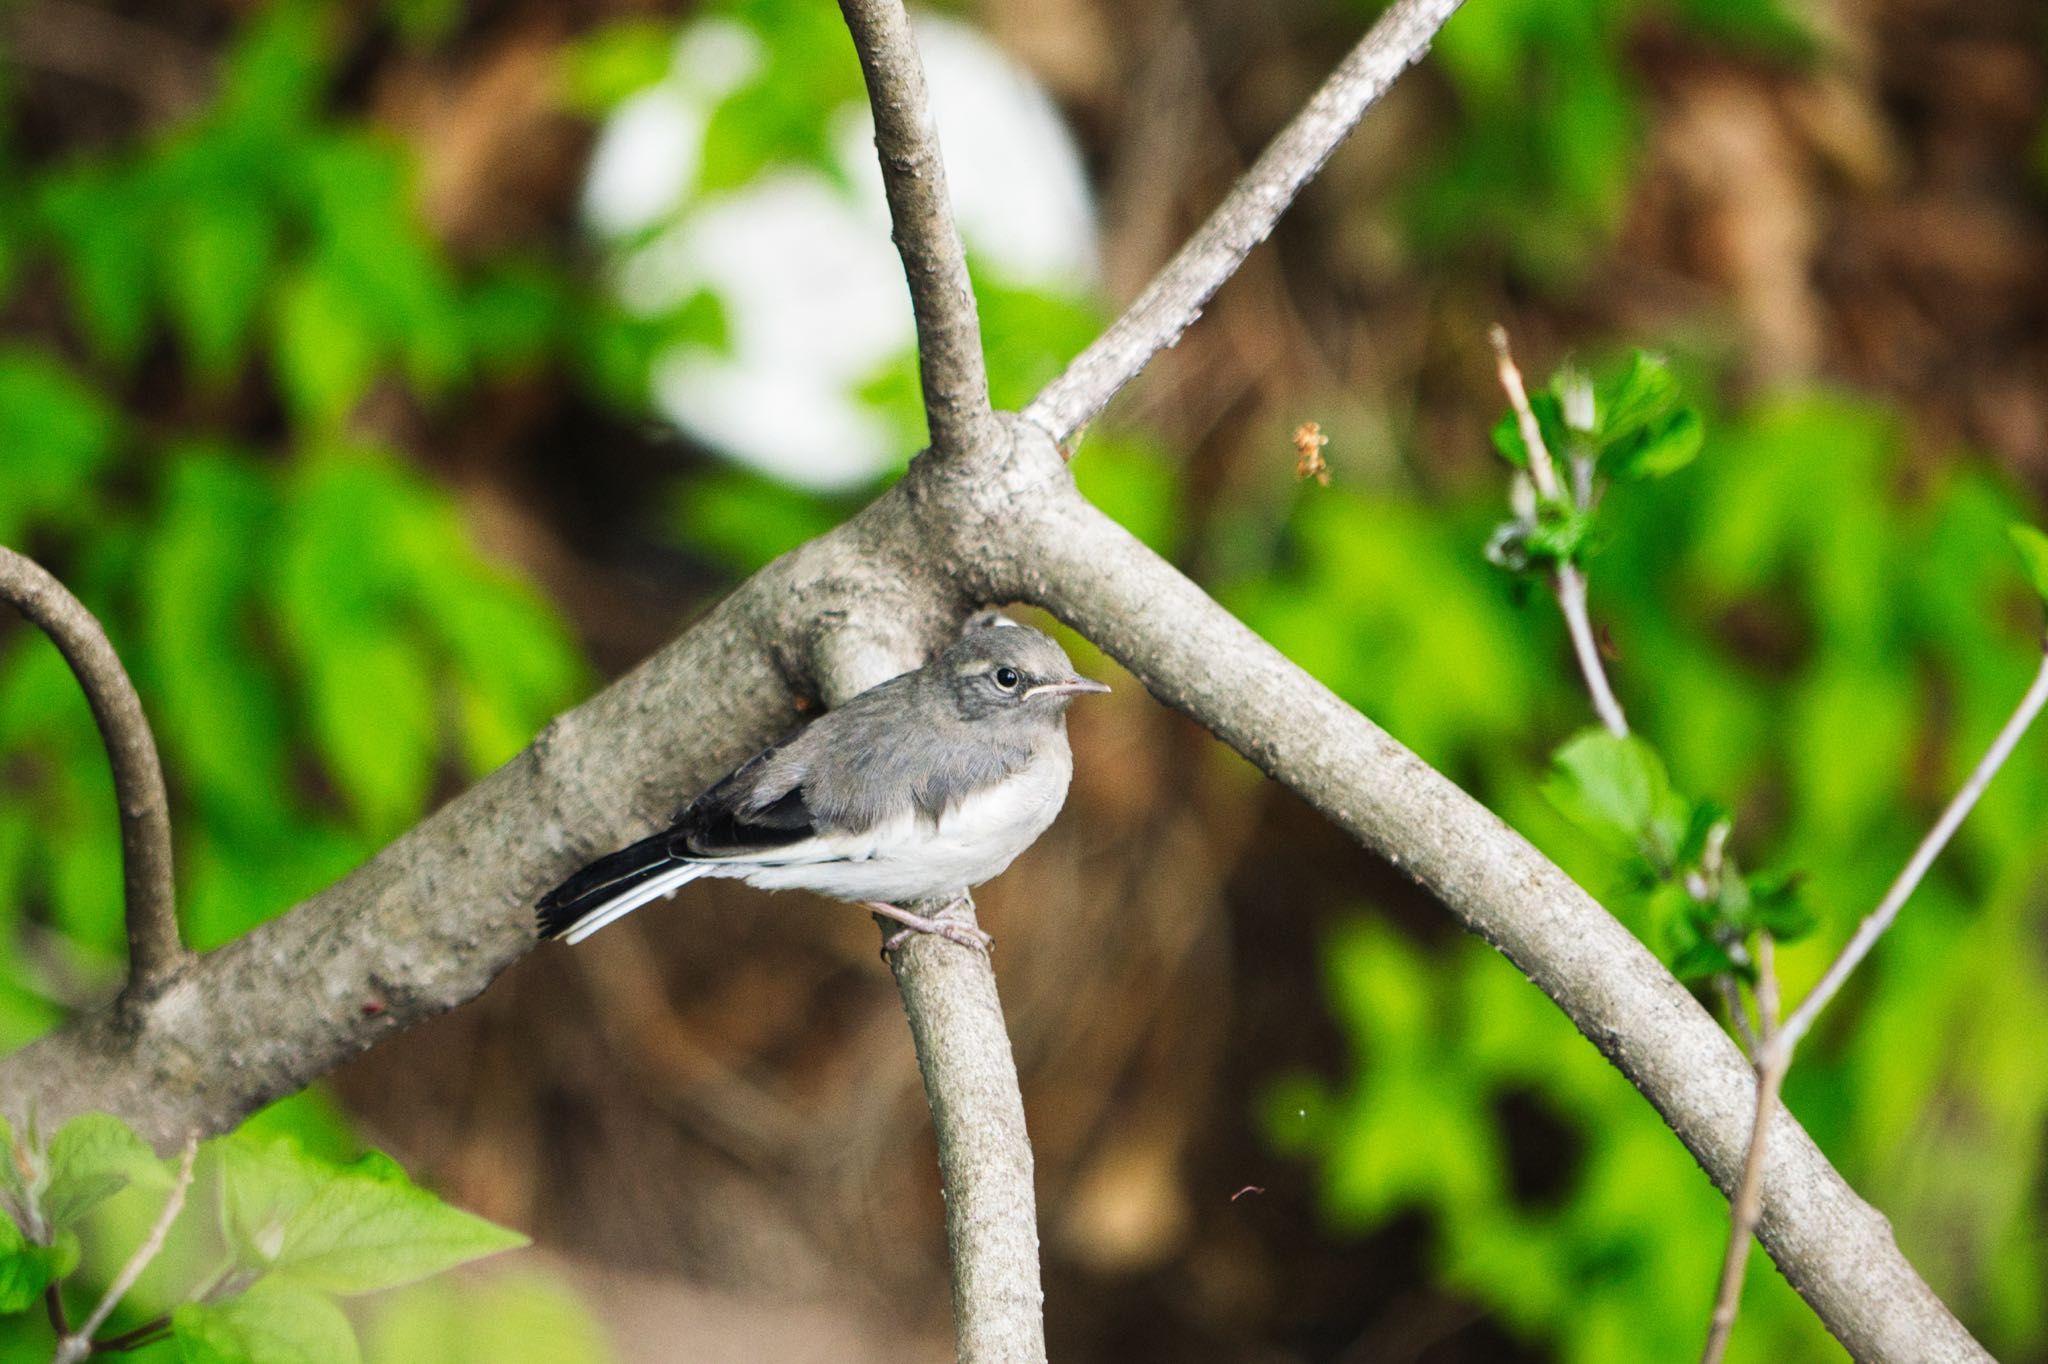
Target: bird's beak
{"type": "Point", "coordinates": [1073, 686]}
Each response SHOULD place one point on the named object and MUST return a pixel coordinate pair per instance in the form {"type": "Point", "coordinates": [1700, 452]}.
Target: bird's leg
{"type": "Point", "coordinates": [967, 935]}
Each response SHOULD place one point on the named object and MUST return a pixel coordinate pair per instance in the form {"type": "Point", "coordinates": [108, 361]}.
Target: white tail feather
{"type": "Point", "coordinates": [652, 889]}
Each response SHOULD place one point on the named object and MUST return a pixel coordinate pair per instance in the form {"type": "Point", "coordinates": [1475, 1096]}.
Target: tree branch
{"type": "Point", "coordinates": [154, 952]}
{"type": "Point", "coordinates": [431, 920]}
{"type": "Point", "coordinates": [950, 363]}
{"type": "Point", "coordinates": [1834, 1248]}
{"type": "Point", "coordinates": [1177, 294]}
{"type": "Point", "coordinates": [985, 1166]}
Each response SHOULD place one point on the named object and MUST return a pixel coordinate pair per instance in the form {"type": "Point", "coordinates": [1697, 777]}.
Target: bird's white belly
{"type": "Point", "coordinates": [914, 857]}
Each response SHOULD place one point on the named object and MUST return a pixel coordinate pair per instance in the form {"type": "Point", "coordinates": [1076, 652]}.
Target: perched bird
{"type": "Point", "coordinates": [925, 785]}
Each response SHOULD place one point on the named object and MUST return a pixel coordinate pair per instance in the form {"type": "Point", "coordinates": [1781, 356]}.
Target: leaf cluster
{"type": "Point", "coordinates": [294, 1233]}
{"type": "Point", "coordinates": [1627, 426]}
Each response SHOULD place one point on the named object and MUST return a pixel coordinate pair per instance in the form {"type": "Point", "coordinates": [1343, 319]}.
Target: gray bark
{"type": "Point", "coordinates": [430, 921]}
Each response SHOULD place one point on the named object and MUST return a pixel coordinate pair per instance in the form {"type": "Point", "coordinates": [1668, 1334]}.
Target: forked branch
{"type": "Point", "coordinates": [154, 951]}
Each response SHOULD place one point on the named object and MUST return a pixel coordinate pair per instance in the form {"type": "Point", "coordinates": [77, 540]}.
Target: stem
{"type": "Point", "coordinates": [1772, 1061]}
{"type": "Point", "coordinates": [146, 1334]}
{"type": "Point", "coordinates": [154, 951]}
{"type": "Point", "coordinates": [78, 1344]}
{"type": "Point", "coordinates": [1873, 927]}
{"type": "Point", "coordinates": [1569, 582]}
{"type": "Point", "coordinates": [1570, 585]}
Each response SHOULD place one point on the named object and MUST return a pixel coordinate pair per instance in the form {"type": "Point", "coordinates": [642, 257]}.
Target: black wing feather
{"type": "Point", "coordinates": [601, 882]}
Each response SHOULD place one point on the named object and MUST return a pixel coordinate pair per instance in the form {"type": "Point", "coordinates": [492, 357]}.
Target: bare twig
{"type": "Point", "coordinates": [1567, 582]}
{"type": "Point", "coordinates": [153, 948]}
{"type": "Point", "coordinates": [950, 363]}
{"type": "Point", "coordinates": [1175, 297]}
{"type": "Point", "coordinates": [1774, 1048]}
{"type": "Point", "coordinates": [1873, 927]}
{"type": "Point", "coordinates": [78, 1344]}
{"type": "Point", "coordinates": [1747, 1204]}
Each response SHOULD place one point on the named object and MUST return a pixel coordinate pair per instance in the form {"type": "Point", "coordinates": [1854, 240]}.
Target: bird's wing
{"type": "Point", "coordinates": [758, 808]}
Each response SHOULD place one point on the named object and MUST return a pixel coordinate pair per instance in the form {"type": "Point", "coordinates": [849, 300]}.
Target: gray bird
{"type": "Point", "coordinates": [925, 785]}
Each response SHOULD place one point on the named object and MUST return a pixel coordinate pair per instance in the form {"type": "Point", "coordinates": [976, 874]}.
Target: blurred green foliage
{"type": "Point", "coordinates": [324, 651]}
{"type": "Point", "coordinates": [1831, 653]}
{"type": "Point", "coordinates": [1547, 141]}
{"type": "Point", "coordinates": [321, 647]}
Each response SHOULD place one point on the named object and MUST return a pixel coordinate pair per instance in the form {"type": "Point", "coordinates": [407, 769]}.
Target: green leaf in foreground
{"type": "Point", "coordinates": [269, 1324]}
{"type": "Point", "coordinates": [342, 1228]}
{"type": "Point", "coordinates": [1614, 789]}
{"type": "Point", "coordinates": [2033, 548]}
{"type": "Point", "coordinates": [26, 1269]}
{"type": "Point", "coordinates": [92, 1158]}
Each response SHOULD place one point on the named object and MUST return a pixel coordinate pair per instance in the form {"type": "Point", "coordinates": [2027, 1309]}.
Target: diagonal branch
{"type": "Point", "coordinates": [1177, 294]}
{"type": "Point", "coordinates": [950, 363]}
{"type": "Point", "coordinates": [154, 952]}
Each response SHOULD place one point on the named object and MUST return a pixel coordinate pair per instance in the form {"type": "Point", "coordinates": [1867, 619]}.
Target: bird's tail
{"type": "Point", "coordinates": [613, 887]}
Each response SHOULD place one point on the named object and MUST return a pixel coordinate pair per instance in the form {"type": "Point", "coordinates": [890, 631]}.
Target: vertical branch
{"type": "Point", "coordinates": [985, 1166]}
{"type": "Point", "coordinates": [970, 1082]}
{"type": "Point", "coordinates": [950, 363]}
{"type": "Point", "coordinates": [154, 951]}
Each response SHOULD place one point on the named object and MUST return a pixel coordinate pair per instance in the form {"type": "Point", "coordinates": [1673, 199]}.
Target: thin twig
{"type": "Point", "coordinates": [1773, 1053]}
{"type": "Point", "coordinates": [78, 1344]}
{"type": "Point", "coordinates": [950, 364]}
{"type": "Point", "coordinates": [1177, 294]}
{"type": "Point", "coordinates": [154, 951]}
{"type": "Point", "coordinates": [1568, 583]}
{"type": "Point", "coordinates": [1747, 1204]}
{"type": "Point", "coordinates": [1880, 919]}
{"type": "Point", "coordinates": [1738, 1013]}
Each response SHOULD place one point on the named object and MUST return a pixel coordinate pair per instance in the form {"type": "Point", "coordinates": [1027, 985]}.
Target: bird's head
{"type": "Point", "coordinates": [1010, 669]}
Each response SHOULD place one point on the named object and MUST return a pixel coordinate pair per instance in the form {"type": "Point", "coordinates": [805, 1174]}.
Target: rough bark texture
{"type": "Point", "coordinates": [970, 1079]}
{"type": "Point", "coordinates": [429, 922]}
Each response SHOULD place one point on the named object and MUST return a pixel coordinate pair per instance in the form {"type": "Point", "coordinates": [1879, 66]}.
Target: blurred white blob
{"type": "Point", "coordinates": [812, 288]}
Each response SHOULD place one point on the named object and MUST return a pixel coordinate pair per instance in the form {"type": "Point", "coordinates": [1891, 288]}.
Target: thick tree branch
{"type": "Point", "coordinates": [430, 921]}
{"type": "Point", "coordinates": [1176, 296]}
{"type": "Point", "coordinates": [154, 952]}
{"type": "Point", "coordinates": [950, 363]}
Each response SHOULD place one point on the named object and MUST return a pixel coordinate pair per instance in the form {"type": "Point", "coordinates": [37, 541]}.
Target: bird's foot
{"type": "Point", "coordinates": [967, 935]}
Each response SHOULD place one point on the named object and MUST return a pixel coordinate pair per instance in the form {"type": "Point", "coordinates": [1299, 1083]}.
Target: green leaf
{"type": "Point", "coordinates": [2033, 550]}
{"type": "Point", "coordinates": [1703, 958]}
{"type": "Point", "coordinates": [1507, 432]}
{"type": "Point", "coordinates": [92, 1158]}
{"type": "Point", "coordinates": [1615, 789]}
{"type": "Point", "coordinates": [272, 1323]}
{"type": "Point", "coordinates": [1643, 393]}
{"type": "Point", "coordinates": [26, 1270]}
{"type": "Point", "coordinates": [56, 436]}
{"type": "Point", "coordinates": [1663, 446]}
{"type": "Point", "coordinates": [1779, 908]}
{"type": "Point", "coordinates": [342, 1229]}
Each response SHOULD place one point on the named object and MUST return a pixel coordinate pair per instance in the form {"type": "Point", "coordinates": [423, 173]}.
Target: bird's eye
{"type": "Point", "coordinates": [1007, 678]}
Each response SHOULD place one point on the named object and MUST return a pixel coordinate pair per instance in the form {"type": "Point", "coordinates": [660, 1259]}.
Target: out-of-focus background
{"type": "Point", "coordinates": [387, 376]}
